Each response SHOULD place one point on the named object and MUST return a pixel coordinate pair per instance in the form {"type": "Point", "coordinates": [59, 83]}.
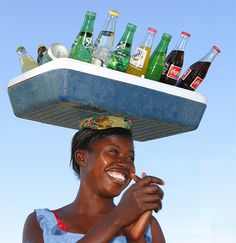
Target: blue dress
{"type": "Point", "coordinates": [53, 234]}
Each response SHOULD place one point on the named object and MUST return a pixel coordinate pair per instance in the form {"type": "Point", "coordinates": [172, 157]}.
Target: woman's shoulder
{"type": "Point", "coordinates": [32, 231]}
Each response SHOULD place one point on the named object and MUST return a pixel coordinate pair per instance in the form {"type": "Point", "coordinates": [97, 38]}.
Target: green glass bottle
{"type": "Point", "coordinates": [157, 59]}
{"type": "Point", "coordinates": [120, 57]}
{"type": "Point", "coordinates": [82, 47]}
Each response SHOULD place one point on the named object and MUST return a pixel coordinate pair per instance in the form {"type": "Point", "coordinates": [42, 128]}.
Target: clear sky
{"type": "Point", "coordinates": [198, 167]}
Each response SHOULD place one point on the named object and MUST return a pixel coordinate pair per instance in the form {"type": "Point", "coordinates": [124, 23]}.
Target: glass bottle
{"type": "Point", "coordinates": [139, 60]}
{"type": "Point", "coordinates": [157, 59]}
{"type": "Point", "coordinates": [104, 43]}
{"type": "Point", "coordinates": [41, 52]}
{"type": "Point", "coordinates": [82, 47]}
{"type": "Point", "coordinates": [120, 57]}
{"type": "Point", "coordinates": [26, 61]}
{"type": "Point", "coordinates": [195, 74]}
{"type": "Point", "coordinates": [174, 61]}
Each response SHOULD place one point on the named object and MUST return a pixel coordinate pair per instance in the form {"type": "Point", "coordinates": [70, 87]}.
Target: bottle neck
{"type": "Point", "coordinates": [127, 37]}
{"type": "Point", "coordinates": [88, 24]}
{"type": "Point", "coordinates": [21, 51]}
{"type": "Point", "coordinates": [163, 45]}
{"type": "Point", "coordinates": [181, 44]}
{"type": "Point", "coordinates": [210, 56]}
{"type": "Point", "coordinates": [148, 39]}
{"type": "Point", "coordinates": [110, 23]}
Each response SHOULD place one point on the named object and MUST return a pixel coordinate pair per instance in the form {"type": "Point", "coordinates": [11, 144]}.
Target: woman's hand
{"type": "Point", "coordinates": [145, 195]}
{"type": "Point", "coordinates": [136, 230]}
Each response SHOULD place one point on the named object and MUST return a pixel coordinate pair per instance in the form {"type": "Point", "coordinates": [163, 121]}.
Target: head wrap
{"type": "Point", "coordinates": [104, 122]}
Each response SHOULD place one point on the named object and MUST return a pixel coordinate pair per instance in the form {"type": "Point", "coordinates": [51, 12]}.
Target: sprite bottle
{"type": "Point", "coordinates": [82, 47]}
{"type": "Point", "coordinates": [157, 59]}
{"type": "Point", "coordinates": [120, 57]}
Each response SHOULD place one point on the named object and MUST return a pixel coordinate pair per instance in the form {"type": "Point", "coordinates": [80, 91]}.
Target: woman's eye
{"type": "Point", "coordinates": [131, 159]}
{"type": "Point", "coordinates": [113, 151]}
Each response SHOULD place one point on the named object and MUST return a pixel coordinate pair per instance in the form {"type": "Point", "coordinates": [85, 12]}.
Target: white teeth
{"type": "Point", "coordinates": [116, 175]}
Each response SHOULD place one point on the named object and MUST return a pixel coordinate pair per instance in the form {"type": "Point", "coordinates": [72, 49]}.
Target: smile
{"type": "Point", "coordinates": [118, 176]}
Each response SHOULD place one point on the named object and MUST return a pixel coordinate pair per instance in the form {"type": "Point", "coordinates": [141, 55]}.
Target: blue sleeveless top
{"type": "Point", "coordinates": [53, 234]}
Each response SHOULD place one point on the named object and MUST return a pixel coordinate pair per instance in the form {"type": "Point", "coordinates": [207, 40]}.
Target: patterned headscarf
{"type": "Point", "coordinates": [104, 122]}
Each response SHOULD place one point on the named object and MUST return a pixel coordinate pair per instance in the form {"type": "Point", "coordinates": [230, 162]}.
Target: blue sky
{"type": "Point", "coordinates": [198, 167]}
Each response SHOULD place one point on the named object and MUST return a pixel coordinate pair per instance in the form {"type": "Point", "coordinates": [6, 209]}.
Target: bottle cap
{"type": "Point", "coordinates": [185, 33]}
{"type": "Point", "coordinates": [19, 47]}
{"type": "Point", "coordinates": [114, 13]}
{"type": "Point", "coordinates": [40, 46]}
{"type": "Point", "coordinates": [90, 14]}
{"type": "Point", "coordinates": [168, 36]}
{"type": "Point", "coordinates": [216, 48]}
{"type": "Point", "coordinates": [130, 26]}
{"type": "Point", "coordinates": [152, 30]}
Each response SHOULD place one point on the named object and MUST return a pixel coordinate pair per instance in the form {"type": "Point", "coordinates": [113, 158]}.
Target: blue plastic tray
{"type": "Point", "coordinates": [64, 91]}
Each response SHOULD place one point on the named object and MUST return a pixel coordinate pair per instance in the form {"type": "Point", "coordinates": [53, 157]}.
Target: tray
{"type": "Point", "coordinates": [64, 91]}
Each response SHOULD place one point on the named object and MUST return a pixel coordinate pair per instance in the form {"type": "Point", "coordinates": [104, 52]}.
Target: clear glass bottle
{"type": "Point", "coordinates": [26, 61]}
{"type": "Point", "coordinates": [104, 43]}
{"type": "Point", "coordinates": [195, 74]}
{"type": "Point", "coordinates": [120, 57]}
{"type": "Point", "coordinates": [82, 47]}
{"type": "Point", "coordinates": [174, 61]}
{"type": "Point", "coordinates": [157, 59]}
{"type": "Point", "coordinates": [139, 60]}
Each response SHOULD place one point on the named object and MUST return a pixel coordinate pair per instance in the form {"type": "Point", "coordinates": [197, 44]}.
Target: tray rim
{"type": "Point", "coordinates": [75, 65]}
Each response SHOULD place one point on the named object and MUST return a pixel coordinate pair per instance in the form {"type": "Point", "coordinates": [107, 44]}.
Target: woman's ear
{"type": "Point", "coordinates": [81, 157]}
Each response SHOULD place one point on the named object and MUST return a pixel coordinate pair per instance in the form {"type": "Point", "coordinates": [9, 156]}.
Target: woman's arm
{"type": "Point", "coordinates": [32, 232]}
{"type": "Point", "coordinates": [157, 234]}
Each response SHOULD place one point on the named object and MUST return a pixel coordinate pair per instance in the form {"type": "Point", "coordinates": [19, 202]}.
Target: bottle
{"type": "Point", "coordinates": [195, 74]}
{"type": "Point", "coordinates": [120, 57]}
{"type": "Point", "coordinates": [82, 47]}
{"type": "Point", "coordinates": [157, 59]}
{"type": "Point", "coordinates": [41, 52]}
{"type": "Point", "coordinates": [139, 60]}
{"type": "Point", "coordinates": [26, 61]}
{"type": "Point", "coordinates": [104, 43]}
{"type": "Point", "coordinates": [174, 61]}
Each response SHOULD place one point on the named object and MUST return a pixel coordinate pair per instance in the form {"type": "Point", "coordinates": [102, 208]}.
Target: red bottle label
{"type": "Point", "coordinates": [196, 82]}
{"type": "Point", "coordinates": [185, 75]}
{"type": "Point", "coordinates": [174, 72]}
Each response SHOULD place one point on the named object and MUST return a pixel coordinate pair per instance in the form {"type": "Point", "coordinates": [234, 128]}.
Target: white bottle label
{"type": "Point", "coordinates": [138, 58]}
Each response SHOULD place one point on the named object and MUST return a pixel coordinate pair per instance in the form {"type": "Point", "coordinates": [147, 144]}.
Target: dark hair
{"type": "Point", "coordinates": [85, 138]}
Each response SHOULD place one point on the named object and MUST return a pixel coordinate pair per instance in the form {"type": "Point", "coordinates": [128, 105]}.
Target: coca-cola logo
{"type": "Point", "coordinates": [174, 72]}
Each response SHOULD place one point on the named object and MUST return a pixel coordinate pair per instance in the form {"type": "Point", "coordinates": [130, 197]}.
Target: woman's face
{"type": "Point", "coordinates": [109, 165]}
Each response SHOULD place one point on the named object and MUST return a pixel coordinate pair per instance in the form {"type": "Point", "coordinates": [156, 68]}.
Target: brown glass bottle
{"type": "Point", "coordinates": [195, 74]}
{"type": "Point", "coordinates": [174, 61]}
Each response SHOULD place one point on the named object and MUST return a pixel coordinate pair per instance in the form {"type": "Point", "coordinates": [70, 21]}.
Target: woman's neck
{"type": "Point", "coordinates": [89, 203]}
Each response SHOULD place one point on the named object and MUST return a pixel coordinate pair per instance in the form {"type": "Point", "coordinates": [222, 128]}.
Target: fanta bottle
{"type": "Point", "coordinates": [139, 60]}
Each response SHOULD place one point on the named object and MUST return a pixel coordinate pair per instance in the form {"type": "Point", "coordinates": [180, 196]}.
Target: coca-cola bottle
{"type": "Point", "coordinates": [195, 74]}
{"type": "Point", "coordinates": [174, 61]}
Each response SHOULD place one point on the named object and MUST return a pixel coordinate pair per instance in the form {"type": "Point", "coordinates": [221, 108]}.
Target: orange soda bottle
{"type": "Point", "coordinates": [139, 60]}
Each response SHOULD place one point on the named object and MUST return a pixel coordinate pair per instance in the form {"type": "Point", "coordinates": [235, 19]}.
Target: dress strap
{"type": "Point", "coordinates": [60, 224]}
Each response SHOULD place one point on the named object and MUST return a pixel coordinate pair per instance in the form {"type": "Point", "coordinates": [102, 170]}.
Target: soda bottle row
{"type": "Point", "coordinates": [143, 62]}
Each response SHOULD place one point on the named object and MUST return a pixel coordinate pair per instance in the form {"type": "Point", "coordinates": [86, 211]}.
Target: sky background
{"type": "Point", "coordinates": [198, 167]}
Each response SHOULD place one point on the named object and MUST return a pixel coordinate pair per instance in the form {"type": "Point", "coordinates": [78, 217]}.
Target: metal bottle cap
{"type": "Point", "coordinates": [114, 13]}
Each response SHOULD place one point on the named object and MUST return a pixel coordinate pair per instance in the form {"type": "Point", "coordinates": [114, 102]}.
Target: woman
{"type": "Point", "coordinates": [103, 157]}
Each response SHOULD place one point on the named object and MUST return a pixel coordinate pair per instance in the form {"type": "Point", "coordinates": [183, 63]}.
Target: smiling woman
{"type": "Point", "coordinates": [102, 155]}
